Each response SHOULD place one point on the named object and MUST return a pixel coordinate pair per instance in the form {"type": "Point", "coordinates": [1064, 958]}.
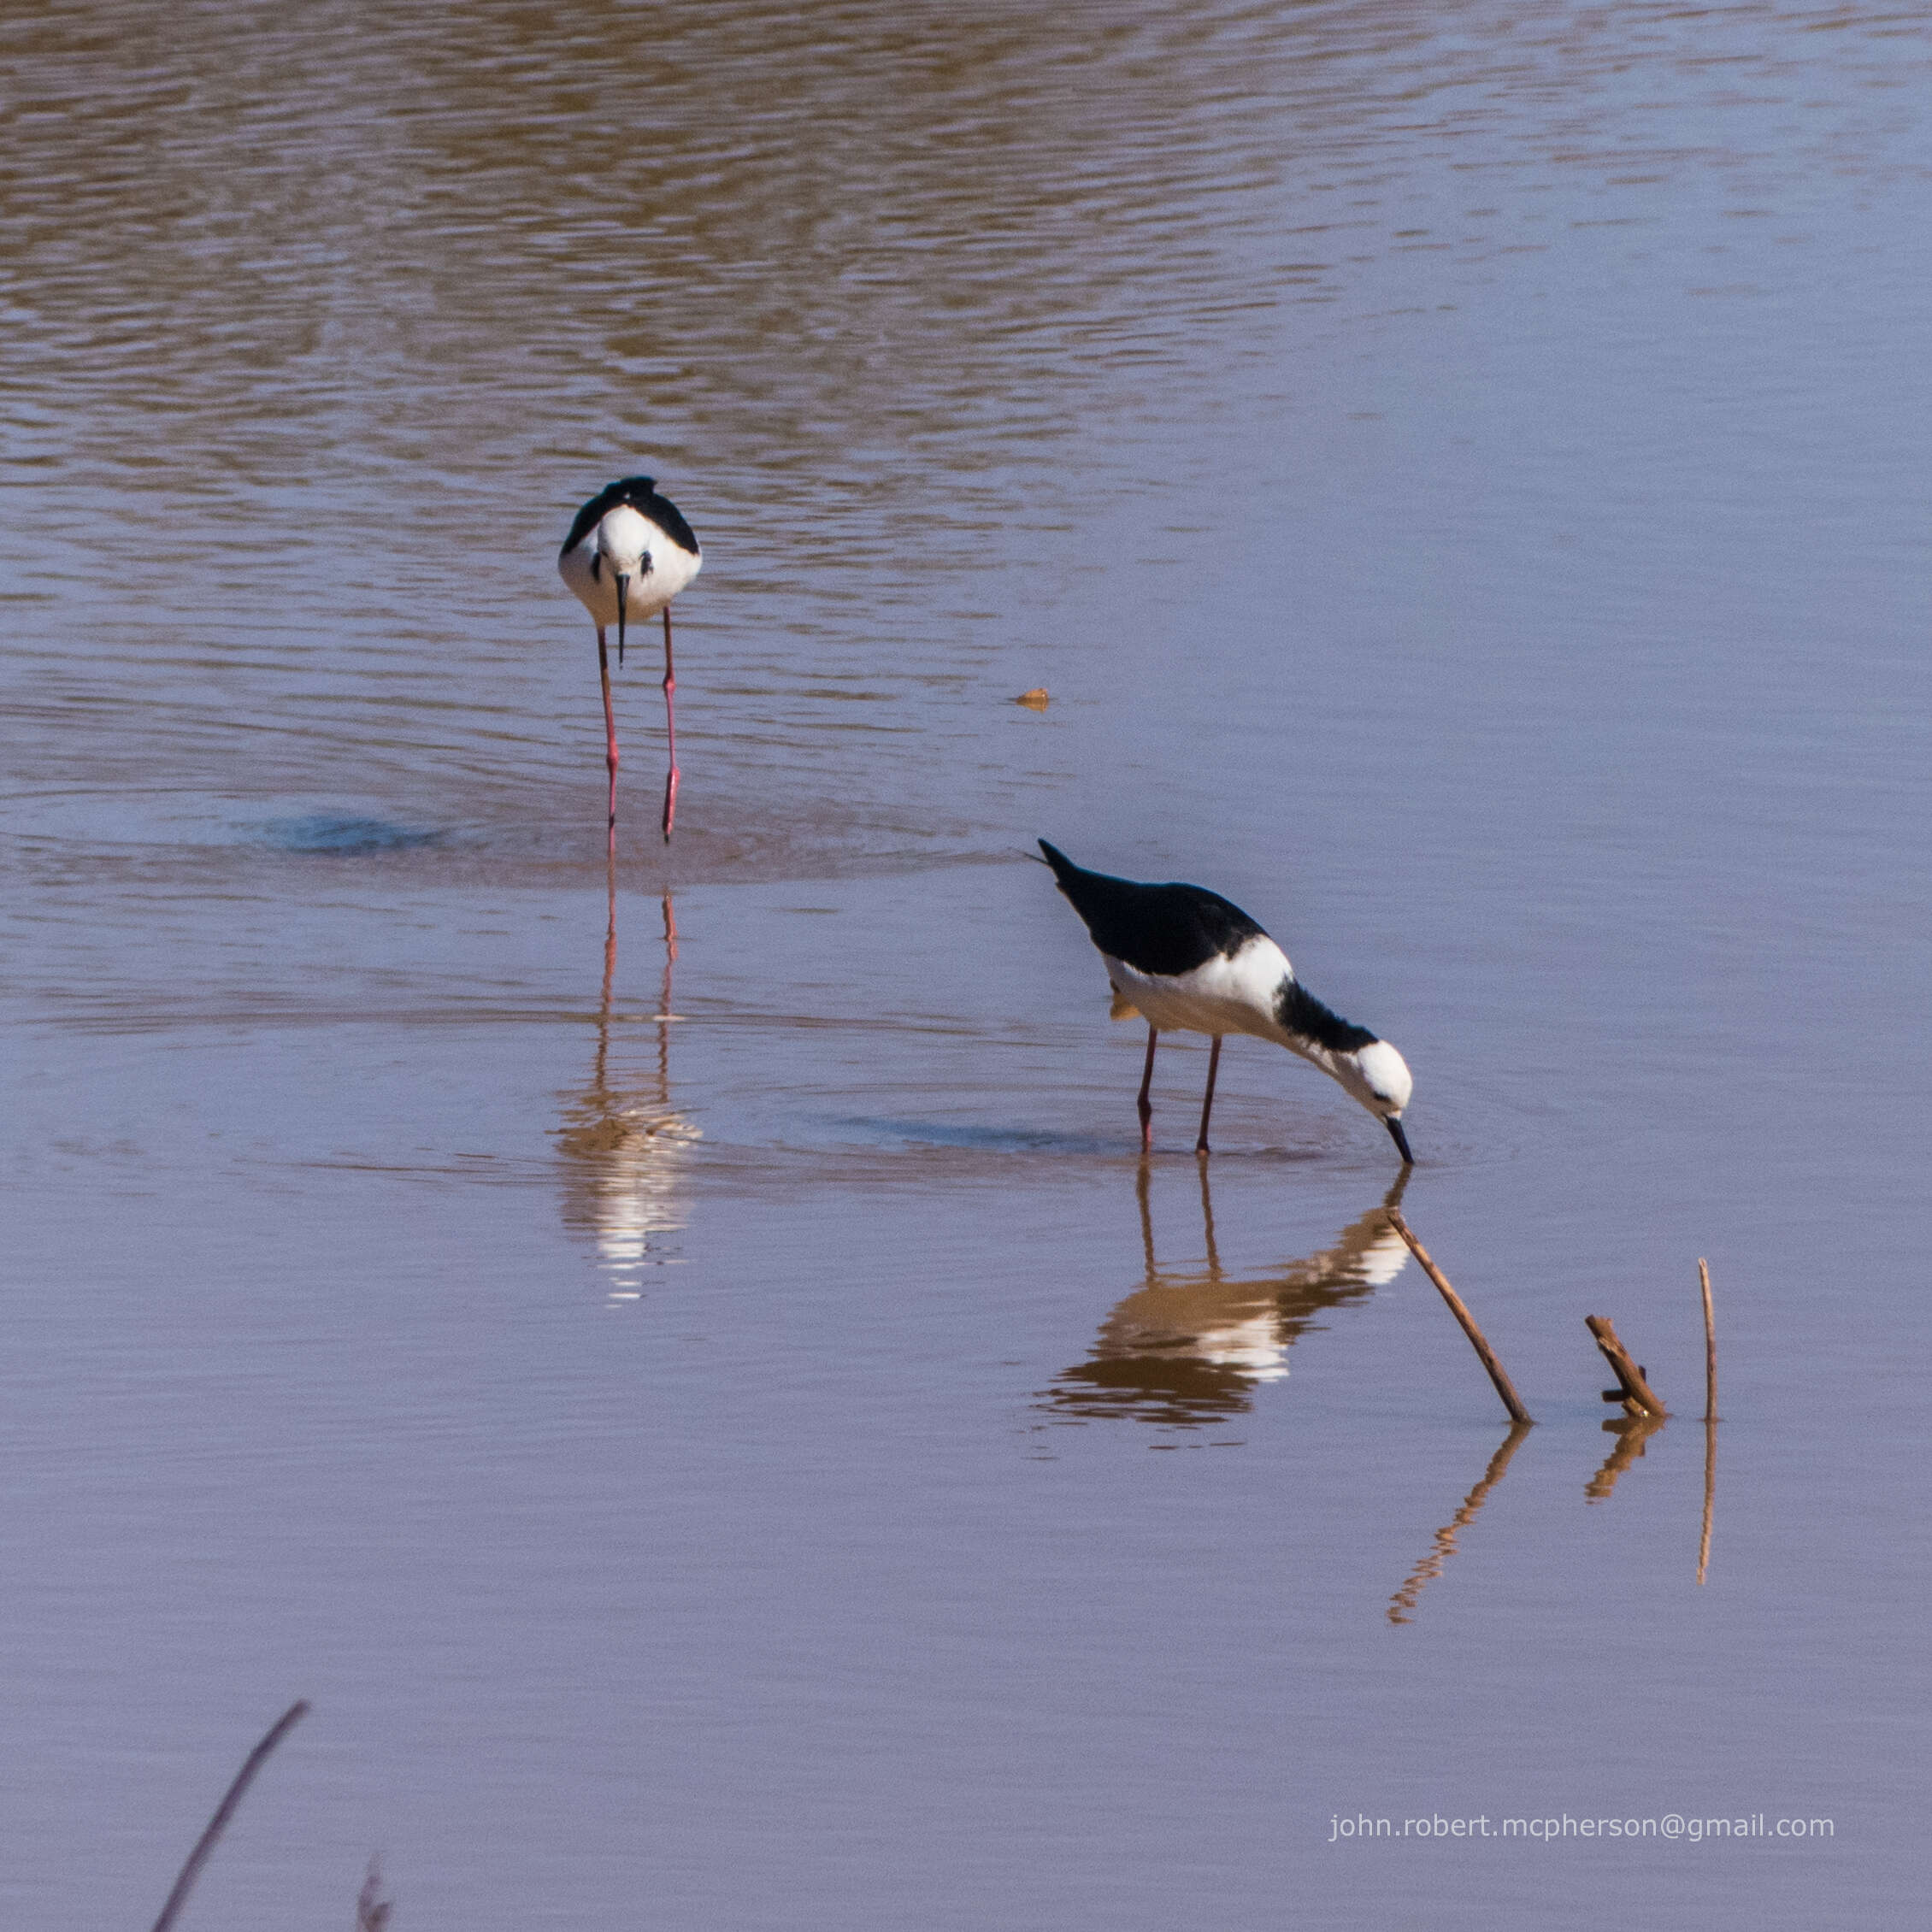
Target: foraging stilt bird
{"type": "Point", "coordinates": [628, 554]}
{"type": "Point", "coordinates": [1186, 960]}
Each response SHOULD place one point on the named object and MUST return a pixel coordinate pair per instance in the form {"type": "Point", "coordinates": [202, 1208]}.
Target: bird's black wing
{"type": "Point", "coordinates": [1166, 929]}
{"type": "Point", "coordinates": [641, 492]}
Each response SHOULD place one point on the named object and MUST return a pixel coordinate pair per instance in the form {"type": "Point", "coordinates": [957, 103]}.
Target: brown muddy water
{"type": "Point", "coordinates": [1458, 471]}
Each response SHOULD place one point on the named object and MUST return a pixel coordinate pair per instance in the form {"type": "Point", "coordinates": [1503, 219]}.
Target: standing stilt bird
{"type": "Point", "coordinates": [628, 555]}
{"type": "Point", "coordinates": [1186, 960]}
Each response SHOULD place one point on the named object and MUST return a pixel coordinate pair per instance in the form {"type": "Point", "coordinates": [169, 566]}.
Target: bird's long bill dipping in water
{"type": "Point", "coordinates": [1186, 960]}
{"type": "Point", "coordinates": [628, 555]}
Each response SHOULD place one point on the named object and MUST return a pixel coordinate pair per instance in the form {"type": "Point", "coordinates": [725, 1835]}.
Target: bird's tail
{"type": "Point", "coordinates": [1063, 868]}
{"type": "Point", "coordinates": [1087, 892]}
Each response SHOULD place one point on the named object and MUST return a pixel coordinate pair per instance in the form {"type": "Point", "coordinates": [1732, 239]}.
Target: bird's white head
{"type": "Point", "coordinates": [1386, 1080]}
{"type": "Point", "coordinates": [1379, 1077]}
{"type": "Point", "coordinates": [623, 546]}
{"type": "Point", "coordinates": [623, 541]}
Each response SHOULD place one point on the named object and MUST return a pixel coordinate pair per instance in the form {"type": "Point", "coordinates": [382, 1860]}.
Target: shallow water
{"type": "Point", "coordinates": [681, 1406]}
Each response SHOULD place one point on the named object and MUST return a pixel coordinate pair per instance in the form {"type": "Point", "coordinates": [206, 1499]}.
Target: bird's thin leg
{"type": "Point", "coordinates": [1207, 1104]}
{"type": "Point", "coordinates": [610, 733]}
{"type": "Point", "coordinates": [1144, 1105]}
{"type": "Point", "coordinates": [670, 730]}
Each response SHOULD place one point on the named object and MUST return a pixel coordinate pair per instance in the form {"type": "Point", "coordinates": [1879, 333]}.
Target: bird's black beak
{"type": "Point", "coordinates": [623, 595]}
{"type": "Point", "coordinates": [1401, 1140]}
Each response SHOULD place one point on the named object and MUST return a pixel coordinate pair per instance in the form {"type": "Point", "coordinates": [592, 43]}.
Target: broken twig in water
{"type": "Point", "coordinates": [1709, 1346]}
{"type": "Point", "coordinates": [1710, 1420]}
{"type": "Point", "coordinates": [225, 1810]}
{"type": "Point", "coordinates": [1485, 1353]}
{"type": "Point", "coordinates": [1633, 1391]}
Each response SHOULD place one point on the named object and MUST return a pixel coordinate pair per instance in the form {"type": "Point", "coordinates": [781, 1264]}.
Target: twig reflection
{"type": "Point", "coordinates": [1444, 1544]}
{"type": "Point", "coordinates": [1632, 1433]}
{"type": "Point", "coordinates": [1190, 1346]}
{"type": "Point", "coordinates": [627, 1145]}
{"type": "Point", "coordinates": [1710, 1494]}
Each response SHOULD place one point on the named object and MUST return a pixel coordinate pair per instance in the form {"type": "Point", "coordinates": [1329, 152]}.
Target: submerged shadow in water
{"type": "Point", "coordinates": [1191, 1346]}
{"type": "Point", "coordinates": [626, 1146]}
{"type": "Point", "coordinates": [336, 836]}
{"type": "Point", "coordinates": [990, 1139]}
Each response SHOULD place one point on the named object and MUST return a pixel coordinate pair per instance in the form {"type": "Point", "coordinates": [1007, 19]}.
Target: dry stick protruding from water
{"type": "Point", "coordinates": [1637, 1396]}
{"type": "Point", "coordinates": [1709, 1346]}
{"type": "Point", "coordinates": [225, 1810]}
{"type": "Point", "coordinates": [1444, 1546]}
{"type": "Point", "coordinates": [1485, 1353]}
{"type": "Point", "coordinates": [1710, 1420]}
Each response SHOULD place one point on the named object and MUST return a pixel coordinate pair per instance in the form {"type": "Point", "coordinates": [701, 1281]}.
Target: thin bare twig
{"type": "Point", "coordinates": [1637, 1396]}
{"type": "Point", "coordinates": [1710, 1348]}
{"type": "Point", "coordinates": [225, 1810]}
{"type": "Point", "coordinates": [1709, 1421]}
{"type": "Point", "coordinates": [1485, 1353]}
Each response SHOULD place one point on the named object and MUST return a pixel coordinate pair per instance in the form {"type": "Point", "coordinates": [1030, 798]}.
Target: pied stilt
{"type": "Point", "coordinates": [1186, 960]}
{"type": "Point", "coordinates": [628, 554]}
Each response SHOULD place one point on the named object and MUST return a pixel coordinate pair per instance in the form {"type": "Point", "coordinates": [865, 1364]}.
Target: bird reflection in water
{"type": "Point", "coordinates": [1192, 1345]}
{"type": "Point", "coordinates": [626, 1145]}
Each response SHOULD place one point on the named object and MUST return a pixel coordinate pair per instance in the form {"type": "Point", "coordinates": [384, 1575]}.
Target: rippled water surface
{"type": "Point", "coordinates": [688, 1372]}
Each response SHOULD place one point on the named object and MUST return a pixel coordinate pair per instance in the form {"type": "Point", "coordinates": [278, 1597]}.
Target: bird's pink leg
{"type": "Point", "coordinates": [671, 731]}
{"type": "Point", "coordinates": [1207, 1105]}
{"type": "Point", "coordinates": [610, 733]}
{"type": "Point", "coordinates": [1143, 1106]}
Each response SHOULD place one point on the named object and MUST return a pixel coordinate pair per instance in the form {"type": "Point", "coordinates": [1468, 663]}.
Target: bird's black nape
{"type": "Point", "coordinates": [1401, 1140]}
